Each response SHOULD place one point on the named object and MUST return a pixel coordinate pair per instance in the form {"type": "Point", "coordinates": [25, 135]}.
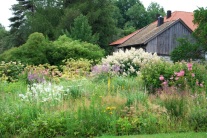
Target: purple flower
{"type": "Point", "coordinates": [116, 68]}
{"type": "Point", "coordinates": [95, 69]}
{"type": "Point", "coordinates": [105, 68]}
{"type": "Point", "coordinates": [34, 77]}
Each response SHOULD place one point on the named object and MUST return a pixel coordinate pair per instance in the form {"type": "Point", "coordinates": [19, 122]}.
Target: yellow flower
{"type": "Point", "coordinates": [108, 108]}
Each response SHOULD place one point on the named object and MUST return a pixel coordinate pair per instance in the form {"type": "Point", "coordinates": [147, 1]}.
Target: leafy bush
{"type": "Point", "coordinates": [32, 52]}
{"type": "Point", "coordinates": [66, 48]}
{"type": "Point", "coordinates": [46, 125]}
{"type": "Point", "coordinates": [186, 50]}
{"type": "Point", "coordinates": [41, 73]}
{"type": "Point", "coordinates": [151, 73]}
{"type": "Point", "coordinates": [10, 71]}
{"type": "Point", "coordinates": [72, 68]}
{"type": "Point", "coordinates": [38, 50]}
{"type": "Point", "coordinates": [181, 75]}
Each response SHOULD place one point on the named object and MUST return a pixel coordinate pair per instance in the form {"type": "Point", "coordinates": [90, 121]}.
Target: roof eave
{"type": "Point", "coordinates": [140, 44]}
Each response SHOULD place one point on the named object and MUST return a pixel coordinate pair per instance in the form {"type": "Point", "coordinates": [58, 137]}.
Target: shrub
{"type": "Point", "coordinates": [41, 73]}
{"type": "Point", "coordinates": [32, 52]}
{"type": "Point", "coordinates": [126, 63]}
{"type": "Point", "coordinates": [75, 68]}
{"type": "Point", "coordinates": [66, 48]}
{"type": "Point", "coordinates": [10, 71]}
{"type": "Point", "coordinates": [181, 75]}
{"type": "Point", "coordinates": [186, 50]}
{"type": "Point", "coordinates": [46, 125]}
{"type": "Point", "coordinates": [151, 72]}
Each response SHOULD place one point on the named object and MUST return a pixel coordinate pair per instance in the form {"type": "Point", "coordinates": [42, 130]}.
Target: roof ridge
{"type": "Point", "coordinates": [182, 11]}
{"type": "Point", "coordinates": [171, 22]}
{"type": "Point", "coordinates": [137, 32]}
{"type": "Point", "coordinates": [185, 16]}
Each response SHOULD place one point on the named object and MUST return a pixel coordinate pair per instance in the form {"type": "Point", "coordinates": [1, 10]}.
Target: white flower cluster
{"type": "Point", "coordinates": [130, 61]}
{"type": "Point", "coordinates": [42, 92]}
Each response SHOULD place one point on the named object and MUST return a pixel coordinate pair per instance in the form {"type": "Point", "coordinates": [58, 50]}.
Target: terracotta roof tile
{"type": "Point", "coordinates": [187, 18]}
{"type": "Point", "coordinates": [122, 40]}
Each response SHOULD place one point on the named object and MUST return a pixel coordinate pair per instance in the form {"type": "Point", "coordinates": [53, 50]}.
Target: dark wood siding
{"type": "Point", "coordinates": [165, 42]}
{"type": "Point", "coordinates": [152, 46]}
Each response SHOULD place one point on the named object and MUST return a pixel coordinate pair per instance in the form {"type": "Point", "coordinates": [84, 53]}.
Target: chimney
{"type": "Point", "coordinates": [157, 15]}
{"type": "Point", "coordinates": [168, 14]}
{"type": "Point", "coordinates": [160, 21]}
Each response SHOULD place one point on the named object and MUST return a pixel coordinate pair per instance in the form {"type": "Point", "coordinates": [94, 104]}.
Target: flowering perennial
{"type": "Point", "coordinates": [182, 78]}
{"type": "Point", "coordinates": [126, 63]}
{"type": "Point", "coordinates": [42, 92]}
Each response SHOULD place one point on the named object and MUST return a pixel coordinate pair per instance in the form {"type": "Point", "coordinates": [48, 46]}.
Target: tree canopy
{"type": "Point", "coordinates": [200, 18]}
{"type": "Point", "coordinates": [94, 21]}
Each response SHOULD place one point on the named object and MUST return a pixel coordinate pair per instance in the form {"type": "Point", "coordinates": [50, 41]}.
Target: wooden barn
{"type": "Point", "coordinates": [160, 36]}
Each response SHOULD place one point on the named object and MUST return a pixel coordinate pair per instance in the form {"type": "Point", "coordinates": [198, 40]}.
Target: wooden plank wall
{"type": "Point", "coordinates": [167, 41]}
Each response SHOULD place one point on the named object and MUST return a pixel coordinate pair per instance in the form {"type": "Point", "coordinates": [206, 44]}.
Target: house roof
{"type": "Point", "coordinates": [144, 34]}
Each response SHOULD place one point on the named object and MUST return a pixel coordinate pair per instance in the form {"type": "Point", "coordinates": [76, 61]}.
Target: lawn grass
{"type": "Point", "coordinates": [169, 135]}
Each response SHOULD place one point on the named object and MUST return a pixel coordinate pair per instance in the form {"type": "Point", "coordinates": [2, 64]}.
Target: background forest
{"type": "Point", "coordinates": [94, 21]}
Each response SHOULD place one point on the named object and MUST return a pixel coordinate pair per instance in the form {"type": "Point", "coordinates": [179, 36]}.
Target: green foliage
{"type": "Point", "coordinates": [128, 29]}
{"type": "Point", "coordinates": [182, 75]}
{"type": "Point", "coordinates": [46, 125]}
{"type": "Point", "coordinates": [153, 10]}
{"type": "Point", "coordinates": [151, 73]}
{"type": "Point", "coordinates": [81, 30]}
{"type": "Point", "coordinates": [32, 52]}
{"type": "Point", "coordinates": [198, 116]}
{"type": "Point", "coordinates": [10, 71]}
{"type": "Point", "coordinates": [186, 50]}
{"type": "Point", "coordinates": [175, 103]}
{"type": "Point", "coordinates": [100, 15]}
{"type": "Point", "coordinates": [124, 6]}
{"type": "Point", "coordinates": [75, 68]}
{"type": "Point", "coordinates": [3, 36]}
{"type": "Point", "coordinates": [40, 73]}
{"type": "Point", "coordinates": [200, 17]}
{"type": "Point", "coordinates": [66, 48]}
{"type": "Point", "coordinates": [137, 15]}
{"type": "Point", "coordinates": [14, 87]}
{"type": "Point", "coordinates": [38, 50]}
{"type": "Point", "coordinates": [90, 112]}
{"type": "Point", "coordinates": [49, 18]}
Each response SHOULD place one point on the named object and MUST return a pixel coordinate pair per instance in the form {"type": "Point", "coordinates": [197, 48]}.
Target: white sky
{"type": "Point", "coordinates": [178, 5]}
{"type": "Point", "coordinates": [5, 12]}
{"type": "Point", "coordinates": [173, 5]}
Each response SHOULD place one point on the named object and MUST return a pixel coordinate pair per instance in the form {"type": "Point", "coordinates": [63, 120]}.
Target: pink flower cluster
{"type": "Point", "coordinates": [180, 74]}
{"type": "Point", "coordinates": [199, 84]}
{"type": "Point", "coordinates": [189, 65]}
{"type": "Point", "coordinates": [163, 79]}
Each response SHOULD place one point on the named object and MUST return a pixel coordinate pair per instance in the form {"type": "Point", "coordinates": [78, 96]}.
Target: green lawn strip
{"type": "Point", "coordinates": [169, 135]}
